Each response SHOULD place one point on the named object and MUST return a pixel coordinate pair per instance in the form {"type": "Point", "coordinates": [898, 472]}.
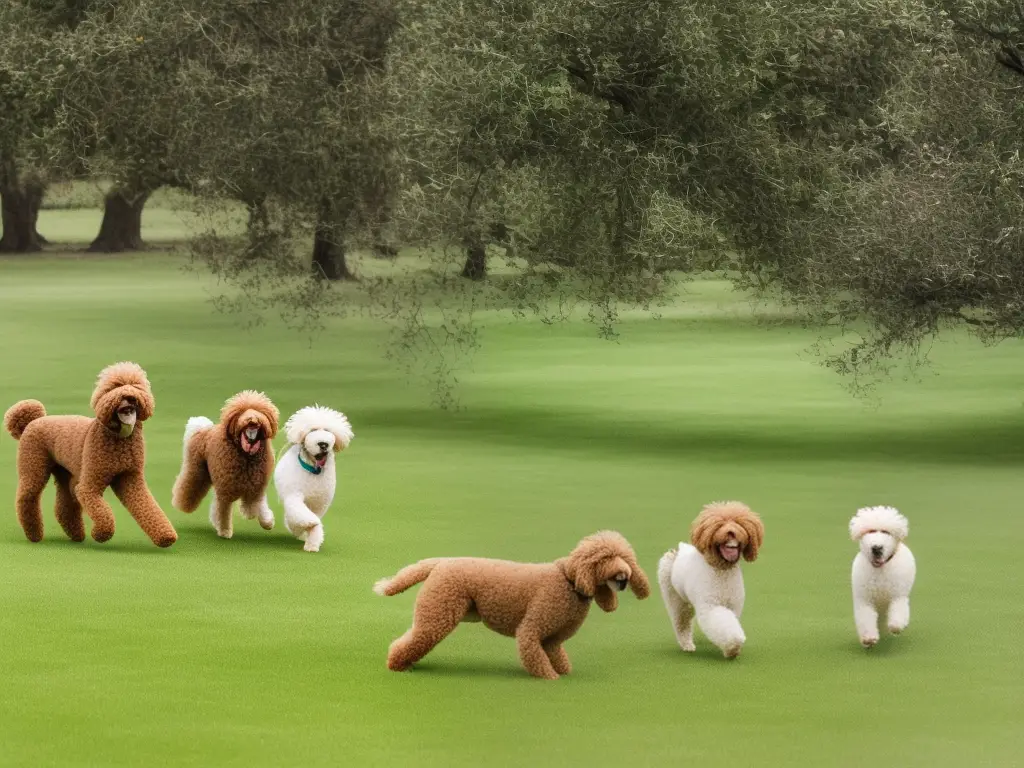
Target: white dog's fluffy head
{"type": "Point", "coordinates": [879, 531]}
{"type": "Point", "coordinates": [319, 430]}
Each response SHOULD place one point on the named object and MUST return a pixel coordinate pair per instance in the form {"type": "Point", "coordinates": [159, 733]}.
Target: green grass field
{"type": "Point", "coordinates": [251, 652]}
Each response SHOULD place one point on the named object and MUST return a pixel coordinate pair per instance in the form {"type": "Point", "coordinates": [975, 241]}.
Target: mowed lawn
{"type": "Point", "coordinates": [252, 652]}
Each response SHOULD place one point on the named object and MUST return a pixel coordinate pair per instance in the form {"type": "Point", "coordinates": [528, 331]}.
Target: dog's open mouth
{"type": "Point", "coordinates": [878, 562]}
{"type": "Point", "coordinates": [252, 439]}
{"type": "Point", "coordinates": [730, 551]}
{"type": "Point", "coordinates": [618, 583]}
{"type": "Point", "coordinates": [320, 458]}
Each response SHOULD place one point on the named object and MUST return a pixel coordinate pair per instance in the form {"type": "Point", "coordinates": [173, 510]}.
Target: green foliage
{"type": "Point", "coordinates": [860, 156]}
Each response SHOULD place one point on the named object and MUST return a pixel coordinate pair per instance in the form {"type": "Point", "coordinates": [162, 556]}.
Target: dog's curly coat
{"type": "Point", "coordinates": [306, 478]}
{"type": "Point", "coordinates": [234, 456]}
{"type": "Point", "coordinates": [540, 604]}
{"type": "Point", "coordinates": [704, 580]}
{"type": "Point", "coordinates": [85, 456]}
{"type": "Point", "coordinates": [883, 571]}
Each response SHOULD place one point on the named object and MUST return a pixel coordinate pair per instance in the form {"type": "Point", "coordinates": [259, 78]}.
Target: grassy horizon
{"type": "Point", "coordinates": [251, 652]}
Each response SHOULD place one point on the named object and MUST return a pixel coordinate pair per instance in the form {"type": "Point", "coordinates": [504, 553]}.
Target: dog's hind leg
{"type": "Point", "coordinates": [67, 508]}
{"type": "Point", "coordinates": [34, 468]}
{"type": "Point", "coordinates": [436, 616]}
{"type": "Point", "coordinates": [191, 486]}
{"type": "Point", "coordinates": [220, 516]}
{"type": "Point", "coordinates": [680, 611]}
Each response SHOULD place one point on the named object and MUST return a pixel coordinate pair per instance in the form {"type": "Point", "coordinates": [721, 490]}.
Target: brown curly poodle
{"type": "Point", "coordinates": [85, 455]}
{"type": "Point", "coordinates": [541, 605]}
{"type": "Point", "coordinates": [235, 457]}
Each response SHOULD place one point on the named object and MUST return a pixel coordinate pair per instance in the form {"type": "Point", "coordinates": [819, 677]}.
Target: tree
{"type": "Point", "coordinates": [23, 109]}
{"type": "Point", "coordinates": [233, 99]}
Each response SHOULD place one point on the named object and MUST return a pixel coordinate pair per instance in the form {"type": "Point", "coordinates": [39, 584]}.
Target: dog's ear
{"type": "Point", "coordinates": [580, 570]}
{"type": "Point", "coordinates": [342, 431]}
{"type": "Point", "coordinates": [752, 524]}
{"type": "Point", "coordinates": [606, 598]}
{"type": "Point", "coordinates": [638, 580]}
{"type": "Point", "coordinates": [702, 532]}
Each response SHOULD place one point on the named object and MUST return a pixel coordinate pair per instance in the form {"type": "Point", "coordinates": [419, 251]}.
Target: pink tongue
{"type": "Point", "coordinates": [729, 553]}
{"type": "Point", "coordinates": [321, 462]}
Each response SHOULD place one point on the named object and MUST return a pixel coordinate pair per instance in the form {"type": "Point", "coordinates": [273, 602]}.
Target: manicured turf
{"type": "Point", "coordinates": [251, 652]}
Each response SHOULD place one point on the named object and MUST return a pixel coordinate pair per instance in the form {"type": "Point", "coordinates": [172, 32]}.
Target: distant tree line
{"type": "Point", "coordinates": [861, 157]}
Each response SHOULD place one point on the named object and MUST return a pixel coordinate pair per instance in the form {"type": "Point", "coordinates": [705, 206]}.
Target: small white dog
{"type": "Point", "coordinates": [704, 580]}
{"type": "Point", "coordinates": [305, 478]}
{"type": "Point", "coordinates": [883, 571]}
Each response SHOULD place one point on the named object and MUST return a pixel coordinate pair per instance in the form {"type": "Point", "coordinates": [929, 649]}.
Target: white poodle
{"type": "Point", "coordinates": [705, 579]}
{"type": "Point", "coordinates": [305, 477]}
{"type": "Point", "coordinates": [883, 571]}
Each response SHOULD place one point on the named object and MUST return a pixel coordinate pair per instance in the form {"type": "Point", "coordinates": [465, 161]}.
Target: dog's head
{"type": "Point", "coordinates": [726, 529]}
{"type": "Point", "coordinates": [122, 398]}
{"type": "Point", "coordinates": [603, 564]}
{"type": "Point", "coordinates": [250, 419]}
{"type": "Point", "coordinates": [319, 431]}
{"type": "Point", "coordinates": [879, 531]}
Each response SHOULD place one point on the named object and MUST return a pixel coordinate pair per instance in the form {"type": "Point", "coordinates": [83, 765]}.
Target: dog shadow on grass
{"type": "Point", "coordinates": [468, 670]}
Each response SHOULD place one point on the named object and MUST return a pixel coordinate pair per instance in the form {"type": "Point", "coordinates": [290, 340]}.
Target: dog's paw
{"type": "Point", "coordinates": [688, 645]}
{"type": "Point", "coordinates": [311, 547]}
{"type": "Point", "coordinates": [897, 628]}
{"type": "Point", "coordinates": [732, 651]}
{"type": "Point", "coordinates": [267, 523]}
{"type": "Point", "coordinates": [225, 533]}
{"type": "Point", "coordinates": [398, 665]}
{"type": "Point", "coordinates": [869, 640]}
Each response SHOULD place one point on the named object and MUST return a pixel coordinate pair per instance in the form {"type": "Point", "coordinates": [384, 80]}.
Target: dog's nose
{"type": "Point", "coordinates": [876, 551]}
{"type": "Point", "coordinates": [323, 445]}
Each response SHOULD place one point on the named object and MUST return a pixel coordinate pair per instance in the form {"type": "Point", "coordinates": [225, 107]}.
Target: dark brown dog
{"type": "Point", "coordinates": [235, 457]}
{"type": "Point", "coordinates": [85, 456]}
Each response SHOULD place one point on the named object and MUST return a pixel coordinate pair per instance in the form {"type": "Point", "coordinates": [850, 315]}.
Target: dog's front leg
{"type": "Point", "coordinates": [133, 492]}
{"type": "Point", "coordinates": [220, 516]}
{"type": "Point", "coordinates": [302, 523]}
{"type": "Point", "coordinates": [899, 615]}
{"type": "Point", "coordinates": [532, 654]}
{"type": "Point", "coordinates": [557, 656]}
{"type": "Point", "coordinates": [261, 510]}
{"type": "Point", "coordinates": [866, 618]}
{"type": "Point", "coordinates": [722, 628]}
{"type": "Point", "coordinates": [89, 493]}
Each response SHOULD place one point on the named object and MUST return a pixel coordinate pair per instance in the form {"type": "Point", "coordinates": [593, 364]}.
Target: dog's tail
{"type": "Point", "coordinates": [665, 571]}
{"type": "Point", "coordinates": [20, 415]}
{"type": "Point", "coordinates": [407, 577]}
{"type": "Point", "coordinates": [193, 425]}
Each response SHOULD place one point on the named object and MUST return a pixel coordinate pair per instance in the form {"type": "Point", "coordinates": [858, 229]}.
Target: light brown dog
{"type": "Point", "coordinates": [541, 605]}
{"type": "Point", "coordinates": [85, 455]}
{"type": "Point", "coordinates": [235, 457]}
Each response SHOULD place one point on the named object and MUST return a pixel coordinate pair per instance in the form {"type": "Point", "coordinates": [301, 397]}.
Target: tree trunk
{"type": "Point", "coordinates": [121, 229]}
{"type": "Point", "coordinates": [19, 205]}
{"type": "Point", "coordinates": [328, 252]}
{"type": "Point", "coordinates": [476, 261]}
